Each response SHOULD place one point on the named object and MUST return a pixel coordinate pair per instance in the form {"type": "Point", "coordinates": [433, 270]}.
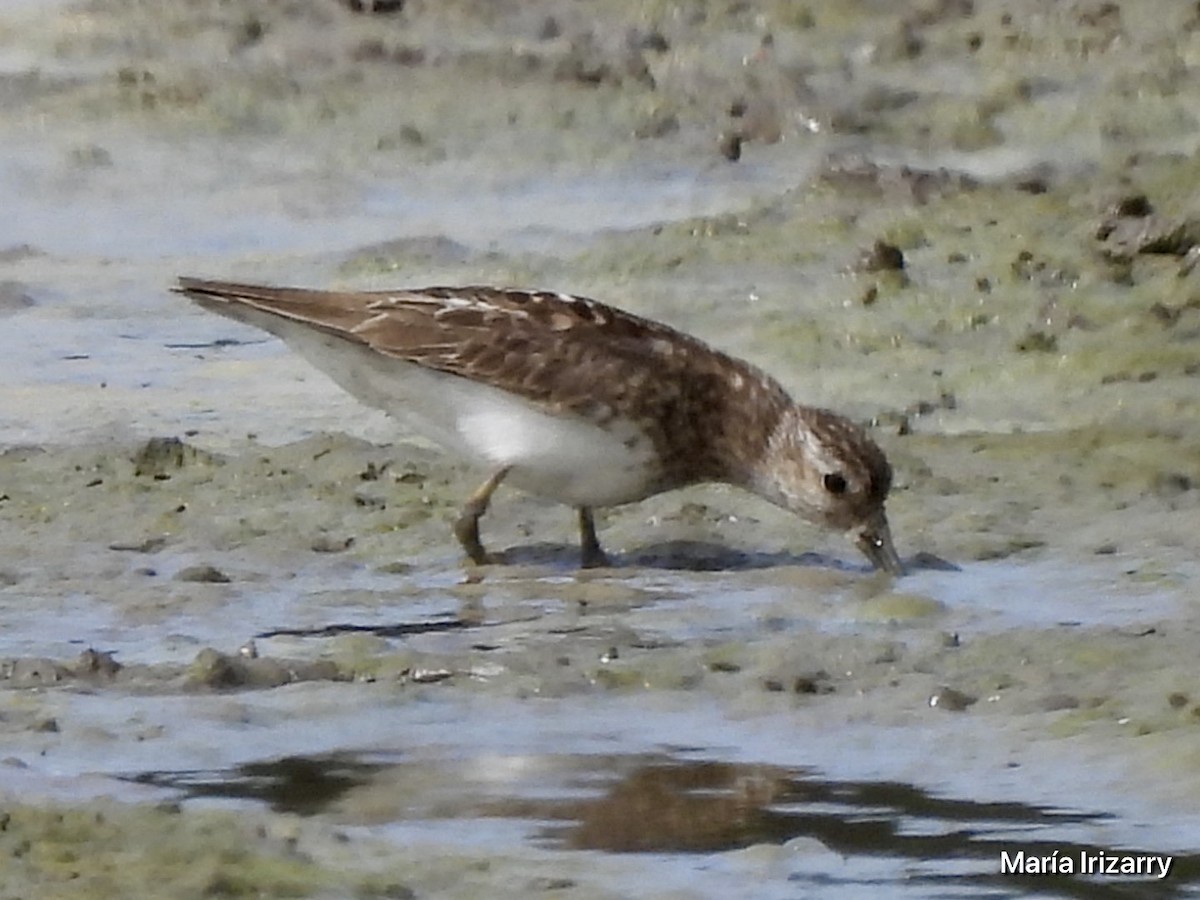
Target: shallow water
{"type": "Point", "coordinates": [327, 598]}
{"type": "Point", "coordinates": [842, 837]}
{"type": "Point", "coordinates": [852, 806]}
{"type": "Point", "coordinates": [309, 208]}
{"type": "Point", "coordinates": [659, 779]}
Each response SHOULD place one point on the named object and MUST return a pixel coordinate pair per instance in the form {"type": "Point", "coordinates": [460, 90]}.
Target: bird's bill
{"type": "Point", "coordinates": [875, 541]}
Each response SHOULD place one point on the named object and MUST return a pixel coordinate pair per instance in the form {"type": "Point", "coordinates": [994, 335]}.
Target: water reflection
{"type": "Point", "coordinates": [657, 803]}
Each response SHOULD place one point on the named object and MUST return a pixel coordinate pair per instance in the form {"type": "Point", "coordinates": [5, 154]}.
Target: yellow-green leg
{"type": "Point", "coordinates": [466, 526]}
{"type": "Point", "coordinates": [592, 555]}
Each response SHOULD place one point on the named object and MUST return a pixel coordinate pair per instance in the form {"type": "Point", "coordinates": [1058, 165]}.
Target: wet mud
{"type": "Point", "coordinates": [237, 633]}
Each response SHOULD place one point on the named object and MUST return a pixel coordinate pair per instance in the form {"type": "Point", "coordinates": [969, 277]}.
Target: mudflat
{"type": "Point", "coordinates": [237, 633]}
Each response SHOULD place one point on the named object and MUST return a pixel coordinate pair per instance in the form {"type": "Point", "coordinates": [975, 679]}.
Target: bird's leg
{"type": "Point", "coordinates": [466, 526]}
{"type": "Point", "coordinates": [592, 555]}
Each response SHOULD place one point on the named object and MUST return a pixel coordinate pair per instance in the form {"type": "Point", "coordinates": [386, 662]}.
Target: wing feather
{"type": "Point", "coordinates": [566, 354]}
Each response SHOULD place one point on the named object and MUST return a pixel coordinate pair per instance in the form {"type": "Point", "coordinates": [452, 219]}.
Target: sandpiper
{"type": "Point", "coordinates": [576, 401]}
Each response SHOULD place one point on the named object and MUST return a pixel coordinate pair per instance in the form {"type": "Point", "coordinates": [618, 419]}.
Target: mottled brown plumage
{"type": "Point", "coordinates": [664, 409]}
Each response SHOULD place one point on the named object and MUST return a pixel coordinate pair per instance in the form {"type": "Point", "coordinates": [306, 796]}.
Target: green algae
{"type": "Point", "coordinates": [110, 850]}
{"type": "Point", "coordinates": [107, 849]}
{"type": "Point", "coordinates": [899, 607]}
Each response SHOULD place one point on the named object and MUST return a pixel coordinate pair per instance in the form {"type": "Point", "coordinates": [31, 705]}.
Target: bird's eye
{"type": "Point", "coordinates": [835, 482]}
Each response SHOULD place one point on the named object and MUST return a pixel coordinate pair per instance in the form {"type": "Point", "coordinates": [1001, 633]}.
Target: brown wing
{"type": "Point", "coordinates": [333, 312]}
{"type": "Point", "coordinates": [554, 349]}
{"type": "Point", "coordinates": [564, 353]}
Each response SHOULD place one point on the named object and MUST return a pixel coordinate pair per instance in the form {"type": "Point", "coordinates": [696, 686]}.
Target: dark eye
{"type": "Point", "coordinates": [835, 482]}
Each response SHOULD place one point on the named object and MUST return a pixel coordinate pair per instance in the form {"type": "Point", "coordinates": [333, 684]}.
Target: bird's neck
{"type": "Point", "coordinates": [753, 410]}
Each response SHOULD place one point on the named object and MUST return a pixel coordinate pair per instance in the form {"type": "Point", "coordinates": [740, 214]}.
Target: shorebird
{"type": "Point", "coordinates": [576, 401]}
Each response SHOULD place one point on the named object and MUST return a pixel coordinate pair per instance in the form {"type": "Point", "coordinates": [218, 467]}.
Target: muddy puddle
{"type": "Point", "coordinates": [235, 630]}
{"type": "Point", "coordinates": [694, 800]}
{"type": "Point", "coordinates": [845, 836]}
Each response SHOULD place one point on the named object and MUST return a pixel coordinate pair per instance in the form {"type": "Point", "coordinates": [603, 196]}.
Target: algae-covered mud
{"type": "Point", "coordinates": [240, 654]}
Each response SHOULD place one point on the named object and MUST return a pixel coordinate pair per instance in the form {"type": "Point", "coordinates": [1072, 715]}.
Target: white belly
{"type": "Point", "coordinates": [569, 460]}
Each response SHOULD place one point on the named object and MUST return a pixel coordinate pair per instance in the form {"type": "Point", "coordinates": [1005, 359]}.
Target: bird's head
{"type": "Point", "coordinates": [825, 468]}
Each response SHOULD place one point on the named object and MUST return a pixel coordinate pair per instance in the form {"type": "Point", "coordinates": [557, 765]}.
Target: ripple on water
{"type": "Point", "coordinates": [838, 836]}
